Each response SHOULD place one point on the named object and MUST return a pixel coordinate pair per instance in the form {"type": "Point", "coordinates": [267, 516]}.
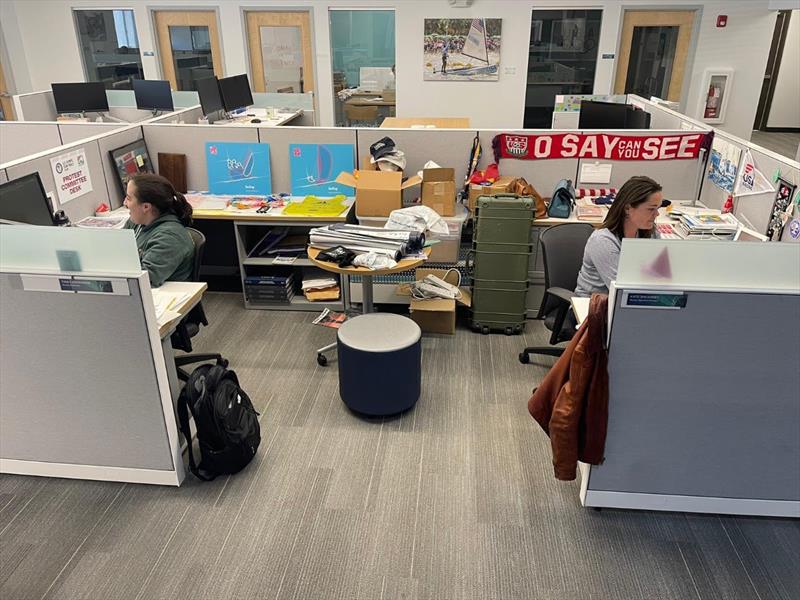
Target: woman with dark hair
{"type": "Point", "coordinates": [632, 215]}
{"type": "Point", "coordinates": [159, 217]}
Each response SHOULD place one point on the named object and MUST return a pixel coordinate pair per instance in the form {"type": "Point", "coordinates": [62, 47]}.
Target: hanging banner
{"type": "Point", "coordinates": [71, 174]}
{"type": "Point", "coordinates": [751, 180]}
{"type": "Point", "coordinates": [598, 145]}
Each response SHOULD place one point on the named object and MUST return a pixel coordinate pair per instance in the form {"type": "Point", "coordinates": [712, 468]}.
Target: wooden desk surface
{"type": "Point", "coordinates": [356, 101]}
{"type": "Point", "coordinates": [403, 265]}
{"type": "Point", "coordinates": [437, 122]}
{"type": "Point", "coordinates": [195, 290]}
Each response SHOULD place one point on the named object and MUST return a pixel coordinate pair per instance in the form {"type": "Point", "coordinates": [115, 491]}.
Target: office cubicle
{"type": "Point", "coordinates": [86, 392]}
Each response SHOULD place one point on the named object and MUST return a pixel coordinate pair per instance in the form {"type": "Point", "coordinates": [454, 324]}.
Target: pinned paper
{"type": "Point", "coordinates": [660, 268]}
{"type": "Point", "coordinates": [139, 160]}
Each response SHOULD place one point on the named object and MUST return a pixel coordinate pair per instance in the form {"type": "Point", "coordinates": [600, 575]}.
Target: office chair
{"type": "Point", "coordinates": [562, 251]}
{"type": "Point", "coordinates": [190, 324]}
{"type": "Point", "coordinates": [362, 114]}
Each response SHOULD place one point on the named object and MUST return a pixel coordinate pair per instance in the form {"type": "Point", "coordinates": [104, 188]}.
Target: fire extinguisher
{"type": "Point", "coordinates": [712, 102]}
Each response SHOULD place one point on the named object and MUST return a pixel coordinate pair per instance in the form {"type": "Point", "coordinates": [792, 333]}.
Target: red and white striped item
{"type": "Point", "coordinates": [594, 192]}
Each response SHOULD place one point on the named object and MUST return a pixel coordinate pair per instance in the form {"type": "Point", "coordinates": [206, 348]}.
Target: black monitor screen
{"type": "Point", "coordinates": [80, 97]}
{"type": "Point", "coordinates": [152, 95]}
{"type": "Point", "coordinates": [24, 200]}
{"type": "Point", "coordinates": [130, 160]}
{"type": "Point", "coordinates": [235, 92]}
{"type": "Point", "coordinates": [637, 118]}
{"type": "Point", "coordinates": [602, 115]}
{"type": "Point", "coordinates": [208, 90]}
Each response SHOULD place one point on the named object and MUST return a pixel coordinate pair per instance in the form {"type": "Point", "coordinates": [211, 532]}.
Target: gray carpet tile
{"type": "Point", "coordinates": [453, 499]}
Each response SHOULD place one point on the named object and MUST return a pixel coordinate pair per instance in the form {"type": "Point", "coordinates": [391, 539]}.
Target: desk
{"type": "Point", "coordinates": [275, 215]}
{"type": "Point", "coordinates": [580, 308]}
{"type": "Point", "coordinates": [435, 122]}
{"type": "Point", "coordinates": [370, 101]}
{"type": "Point", "coordinates": [280, 118]}
{"type": "Point", "coordinates": [191, 291]}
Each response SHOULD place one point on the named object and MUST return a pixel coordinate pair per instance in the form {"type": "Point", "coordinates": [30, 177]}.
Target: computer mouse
{"type": "Point", "coordinates": [255, 120]}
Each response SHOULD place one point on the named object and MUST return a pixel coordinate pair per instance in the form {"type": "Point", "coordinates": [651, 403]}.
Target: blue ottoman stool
{"type": "Point", "coordinates": [380, 363]}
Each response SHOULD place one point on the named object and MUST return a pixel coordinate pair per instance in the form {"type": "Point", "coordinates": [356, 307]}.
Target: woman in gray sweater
{"type": "Point", "coordinates": [633, 214]}
{"type": "Point", "coordinates": [159, 217]}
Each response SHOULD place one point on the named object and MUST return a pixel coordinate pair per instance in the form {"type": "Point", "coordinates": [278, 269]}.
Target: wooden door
{"type": "Point", "coordinates": [188, 43]}
{"type": "Point", "coordinates": [662, 73]}
{"type": "Point", "coordinates": [6, 104]}
{"type": "Point", "coordinates": [285, 37]}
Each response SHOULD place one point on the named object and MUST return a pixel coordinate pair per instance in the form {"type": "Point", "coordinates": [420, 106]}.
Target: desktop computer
{"type": "Point", "coordinates": [24, 200]}
{"type": "Point", "coordinates": [71, 98]}
{"type": "Point", "coordinates": [235, 92]}
{"type": "Point", "coordinates": [153, 95]}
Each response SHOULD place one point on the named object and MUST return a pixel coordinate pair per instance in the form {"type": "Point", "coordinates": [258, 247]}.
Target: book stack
{"type": "Point", "coordinates": [269, 289]}
{"type": "Point", "coordinates": [707, 226]}
{"type": "Point", "coordinates": [589, 212]}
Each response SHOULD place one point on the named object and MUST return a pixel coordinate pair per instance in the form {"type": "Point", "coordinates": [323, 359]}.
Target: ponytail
{"type": "Point", "coordinates": [158, 191]}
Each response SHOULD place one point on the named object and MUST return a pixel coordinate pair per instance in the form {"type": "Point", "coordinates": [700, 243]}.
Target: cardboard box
{"type": "Point", "coordinates": [501, 186]}
{"type": "Point", "coordinates": [378, 193]}
{"type": "Point", "coordinates": [437, 315]}
{"type": "Point", "coordinates": [439, 190]}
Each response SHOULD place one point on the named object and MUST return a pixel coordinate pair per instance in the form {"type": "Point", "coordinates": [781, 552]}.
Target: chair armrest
{"type": "Point", "coordinates": [561, 294]}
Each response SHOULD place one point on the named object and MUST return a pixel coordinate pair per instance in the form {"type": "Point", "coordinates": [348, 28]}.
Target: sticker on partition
{"type": "Point", "coordinates": [794, 229]}
{"type": "Point", "coordinates": [71, 174]}
{"type": "Point", "coordinates": [659, 300]}
{"type": "Point", "coordinates": [660, 268]}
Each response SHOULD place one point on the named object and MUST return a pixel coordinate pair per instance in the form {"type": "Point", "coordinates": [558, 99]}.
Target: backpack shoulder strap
{"type": "Point", "coordinates": [188, 396]}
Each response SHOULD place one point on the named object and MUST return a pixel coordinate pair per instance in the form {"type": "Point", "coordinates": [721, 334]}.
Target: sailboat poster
{"type": "Point", "coordinates": [238, 169]}
{"type": "Point", "coordinates": [314, 168]}
{"type": "Point", "coordinates": [462, 49]}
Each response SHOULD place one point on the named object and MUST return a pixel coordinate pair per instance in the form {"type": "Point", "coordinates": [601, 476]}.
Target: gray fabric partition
{"type": "Point", "coordinates": [74, 132]}
{"type": "Point", "coordinates": [661, 420]}
{"type": "Point", "coordinates": [757, 208]}
{"type": "Point", "coordinates": [3, 176]}
{"type": "Point", "coordinates": [78, 208]}
{"type": "Point", "coordinates": [279, 139]}
{"type": "Point", "coordinates": [679, 178]}
{"type": "Point", "coordinates": [110, 142]}
{"type": "Point", "coordinates": [21, 138]}
{"type": "Point", "coordinates": [191, 141]}
{"type": "Point", "coordinates": [36, 106]}
{"type": "Point", "coordinates": [51, 407]}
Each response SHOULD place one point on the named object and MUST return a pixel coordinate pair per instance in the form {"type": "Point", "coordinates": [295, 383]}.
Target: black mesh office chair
{"type": "Point", "coordinates": [562, 251]}
{"type": "Point", "coordinates": [190, 324]}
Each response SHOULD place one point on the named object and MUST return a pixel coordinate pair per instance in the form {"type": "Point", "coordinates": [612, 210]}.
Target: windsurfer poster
{"type": "Point", "coordinates": [462, 50]}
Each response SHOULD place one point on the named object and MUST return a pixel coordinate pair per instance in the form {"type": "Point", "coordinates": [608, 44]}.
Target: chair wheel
{"type": "Point", "coordinates": [524, 358]}
{"type": "Point", "coordinates": [518, 329]}
{"type": "Point", "coordinates": [485, 330]}
{"type": "Point", "coordinates": [322, 360]}
{"type": "Point", "coordinates": [508, 331]}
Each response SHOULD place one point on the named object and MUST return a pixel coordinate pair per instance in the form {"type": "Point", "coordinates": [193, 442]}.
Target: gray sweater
{"type": "Point", "coordinates": [600, 263]}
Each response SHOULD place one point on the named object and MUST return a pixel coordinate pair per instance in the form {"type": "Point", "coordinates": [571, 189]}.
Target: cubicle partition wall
{"type": "Point", "coordinates": [85, 393]}
{"type": "Point", "coordinates": [22, 138]}
{"type": "Point", "coordinates": [3, 176]}
{"type": "Point", "coordinates": [74, 132]}
{"type": "Point", "coordinates": [35, 106]}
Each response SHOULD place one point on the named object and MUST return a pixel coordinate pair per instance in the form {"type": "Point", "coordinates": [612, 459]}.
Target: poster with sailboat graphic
{"type": "Point", "coordinates": [314, 168]}
{"type": "Point", "coordinates": [238, 169]}
{"type": "Point", "coordinates": [462, 49]}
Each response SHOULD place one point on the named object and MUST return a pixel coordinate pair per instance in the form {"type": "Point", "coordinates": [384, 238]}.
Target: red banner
{"type": "Point", "coordinates": [606, 146]}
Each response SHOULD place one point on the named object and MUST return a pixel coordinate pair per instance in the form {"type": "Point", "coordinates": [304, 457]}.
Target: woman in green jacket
{"type": "Point", "coordinates": [159, 217]}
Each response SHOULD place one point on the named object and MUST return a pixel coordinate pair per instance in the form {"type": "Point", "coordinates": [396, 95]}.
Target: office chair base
{"type": "Point", "coordinates": [322, 360]}
{"type": "Point", "coordinates": [524, 356]}
{"type": "Point", "coordinates": [190, 359]}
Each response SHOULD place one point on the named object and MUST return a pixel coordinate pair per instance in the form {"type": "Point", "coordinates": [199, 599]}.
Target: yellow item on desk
{"type": "Point", "coordinates": [313, 206]}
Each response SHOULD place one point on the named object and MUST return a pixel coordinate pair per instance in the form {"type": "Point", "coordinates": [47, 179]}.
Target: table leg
{"type": "Point", "coordinates": [366, 289]}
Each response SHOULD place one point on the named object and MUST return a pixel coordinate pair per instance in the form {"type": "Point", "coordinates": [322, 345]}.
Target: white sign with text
{"type": "Point", "coordinates": [71, 173]}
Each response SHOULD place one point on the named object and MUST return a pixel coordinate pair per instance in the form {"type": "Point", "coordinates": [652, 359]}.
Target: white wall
{"type": "Point", "coordinates": [785, 109]}
{"type": "Point", "coordinates": [743, 45]}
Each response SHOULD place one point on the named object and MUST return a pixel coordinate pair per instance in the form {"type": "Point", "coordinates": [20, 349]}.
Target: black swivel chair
{"type": "Point", "coordinates": [562, 251]}
{"type": "Point", "coordinates": [190, 324]}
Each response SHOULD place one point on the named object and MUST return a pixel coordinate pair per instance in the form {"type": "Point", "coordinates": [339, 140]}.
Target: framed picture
{"type": "Point", "coordinates": [461, 49]}
{"type": "Point", "coordinates": [781, 209]}
{"type": "Point", "coordinates": [716, 90]}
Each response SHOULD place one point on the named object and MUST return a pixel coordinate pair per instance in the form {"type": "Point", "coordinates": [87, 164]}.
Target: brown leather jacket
{"type": "Point", "coordinates": [571, 404]}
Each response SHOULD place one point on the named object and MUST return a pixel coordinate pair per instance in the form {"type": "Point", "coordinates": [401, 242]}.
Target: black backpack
{"type": "Point", "coordinates": [228, 432]}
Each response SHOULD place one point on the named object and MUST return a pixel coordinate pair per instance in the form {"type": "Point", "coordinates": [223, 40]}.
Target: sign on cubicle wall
{"type": "Point", "coordinates": [71, 174]}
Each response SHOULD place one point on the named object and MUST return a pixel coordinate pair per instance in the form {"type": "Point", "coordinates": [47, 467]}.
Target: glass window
{"type": "Point", "coordinates": [562, 60]}
{"type": "Point", "coordinates": [650, 63]}
{"type": "Point", "coordinates": [362, 52]}
{"type": "Point", "coordinates": [110, 47]}
{"type": "Point", "coordinates": [191, 53]}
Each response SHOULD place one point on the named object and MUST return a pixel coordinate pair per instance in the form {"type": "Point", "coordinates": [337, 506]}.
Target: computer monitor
{"type": "Point", "coordinates": [24, 200]}
{"type": "Point", "coordinates": [235, 92]}
{"type": "Point", "coordinates": [80, 97]}
{"type": "Point", "coordinates": [210, 99]}
{"type": "Point", "coordinates": [602, 115]}
{"type": "Point", "coordinates": [129, 160]}
{"type": "Point", "coordinates": [636, 118]}
{"type": "Point", "coordinates": [153, 95]}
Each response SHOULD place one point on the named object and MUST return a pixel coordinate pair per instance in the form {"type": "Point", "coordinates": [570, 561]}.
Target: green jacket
{"type": "Point", "coordinates": [166, 249]}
